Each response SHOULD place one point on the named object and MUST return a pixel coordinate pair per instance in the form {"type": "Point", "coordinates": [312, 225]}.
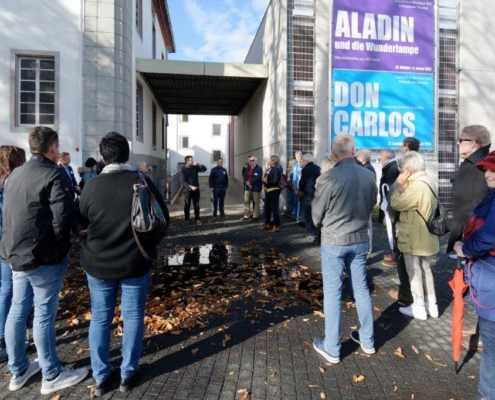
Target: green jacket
{"type": "Point", "coordinates": [412, 199]}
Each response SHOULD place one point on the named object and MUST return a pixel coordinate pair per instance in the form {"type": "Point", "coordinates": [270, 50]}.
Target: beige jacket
{"type": "Point", "coordinates": [413, 197]}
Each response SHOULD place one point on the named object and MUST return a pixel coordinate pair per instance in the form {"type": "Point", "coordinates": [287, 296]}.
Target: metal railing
{"type": "Point", "coordinates": [172, 186]}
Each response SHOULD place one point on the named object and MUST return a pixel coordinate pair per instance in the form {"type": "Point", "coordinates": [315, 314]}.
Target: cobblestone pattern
{"type": "Point", "coordinates": [274, 358]}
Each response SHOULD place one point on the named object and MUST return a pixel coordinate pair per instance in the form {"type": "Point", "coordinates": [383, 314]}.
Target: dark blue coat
{"type": "Point", "coordinates": [256, 181]}
{"type": "Point", "coordinates": [481, 274]}
{"type": "Point", "coordinates": [307, 183]}
{"type": "Point", "coordinates": [219, 178]}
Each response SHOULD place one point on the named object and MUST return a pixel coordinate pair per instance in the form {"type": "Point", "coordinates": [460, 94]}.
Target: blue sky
{"type": "Point", "coordinates": [214, 30]}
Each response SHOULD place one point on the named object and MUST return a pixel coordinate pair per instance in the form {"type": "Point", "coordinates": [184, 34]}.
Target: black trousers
{"type": "Point", "coordinates": [194, 196]}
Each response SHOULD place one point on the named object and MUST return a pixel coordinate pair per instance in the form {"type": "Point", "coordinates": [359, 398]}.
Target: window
{"type": "Point", "coordinates": [216, 129]}
{"type": "Point", "coordinates": [139, 17]}
{"type": "Point", "coordinates": [153, 125]}
{"type": "Point", "coordinates": [184, 118]}
{"type": "Point", "coordinates": [153, 42]}
{"type": "Point", "coordinates": [139, 112]}
{"type": "Point", "coordinates": [184, 142]}
{"type": "Point", "coordinates": [216, 155]}
{"type": "Point", "coordinates": [35, 87]}
{"type": "Point", "coordinates": [164, 124]}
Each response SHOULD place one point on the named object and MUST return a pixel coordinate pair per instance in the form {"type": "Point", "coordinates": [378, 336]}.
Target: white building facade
{"type": "Point", "coordinates": [70, 65]}
{"type": "Point", "coordinates": [205, 137]}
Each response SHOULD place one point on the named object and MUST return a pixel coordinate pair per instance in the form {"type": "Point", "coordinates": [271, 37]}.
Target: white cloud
{"type": "Point", "coordinates": [227, 32]}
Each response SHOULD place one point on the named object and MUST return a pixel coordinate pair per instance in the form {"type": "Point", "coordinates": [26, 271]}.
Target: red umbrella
{"type": "Point", "coordinates": [459, 288]}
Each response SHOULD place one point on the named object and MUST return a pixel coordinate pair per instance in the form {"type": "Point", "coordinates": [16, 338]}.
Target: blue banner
{"type": "Point", "coordinates": [381, 109]}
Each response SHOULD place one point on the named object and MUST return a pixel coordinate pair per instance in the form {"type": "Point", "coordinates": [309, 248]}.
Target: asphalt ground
{"type": "Point", "coordinates": [232, 313]}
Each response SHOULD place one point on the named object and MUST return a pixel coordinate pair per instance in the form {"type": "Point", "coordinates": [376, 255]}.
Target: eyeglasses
{"type": "Point", "coordinates": [464, 140]}
{"type": "Point", "coordinates": [252, 160]}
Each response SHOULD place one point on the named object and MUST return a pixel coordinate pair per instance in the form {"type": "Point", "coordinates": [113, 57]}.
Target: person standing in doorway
{"type": "Point", "coordinates": [190, 183]}
{"type": "Point", "coordinates": [219, 183]}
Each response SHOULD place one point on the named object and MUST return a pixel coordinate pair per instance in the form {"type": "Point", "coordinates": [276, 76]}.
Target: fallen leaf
{"type": "Point", "coordinates": [319, 314]}
{"type": "Point", "coordinates": [358, 378]}
{"type": "Point", "coordinates": [398, 352]}
{"type": "Point", "coordinates": [273, 374]}
{"type": "Point", "coordinates": [415, 349]}
{"type": "Point", "coordinates": [194, 351]}
{"type": "Point", "coordinates": [305, 319]}
{"type": "Point", "coordinates": [430, 358]}
{"type": "Point", "coordinates": [81, 350]}
{"type": "Point", "coordinates": [377, 309]}
{"type": "Point", "coordinates": [353, 328]}
{"type": "Point", "coordinates": [322, 370]}
{"type": "Point", "coordinates": [225, 339]}
{"type": "Point", "coordinates": [231, 373]}
{"type": "Point", "coordinates": [322, 395]}
{"type": "Point", "coordinates": [313, 386]}
{"type": "Point", "coordinates": [395, 389]}
{"type": "Point", "coordinates": [57, 397]}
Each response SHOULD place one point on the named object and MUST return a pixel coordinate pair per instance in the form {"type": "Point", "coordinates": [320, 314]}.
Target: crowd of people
{"type": "Point", "coordinates": [334, 199]}
{"type": "Point", "coordinates": [35, 243]}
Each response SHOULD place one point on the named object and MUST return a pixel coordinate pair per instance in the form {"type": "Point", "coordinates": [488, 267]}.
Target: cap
{"type": "Point", "coordinates": [488, 162]}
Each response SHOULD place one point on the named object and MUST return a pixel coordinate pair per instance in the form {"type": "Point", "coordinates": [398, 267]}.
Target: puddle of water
{"type": "Point", "coordinates": [218, 265]}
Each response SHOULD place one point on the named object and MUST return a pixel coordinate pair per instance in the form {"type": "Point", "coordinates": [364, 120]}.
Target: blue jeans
{"type": "Point", "coordinates": [103, 300]}
{"type": "Point", "coordinates": [43, 285]}
{"type": "Point", "coordinates": [486, 384]}
{"type": "Point", "coordinates": [333, 260]}
{"type": "Point", "coordinates": [6, 291]}
{"type": "Point", "coordinates": [219, 199]}
{"type": "Point", "coordinates": [292, 201]}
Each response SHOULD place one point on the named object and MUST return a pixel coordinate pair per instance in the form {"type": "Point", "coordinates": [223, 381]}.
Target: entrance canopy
{"type": "Point", "coordinates": [203, 88]}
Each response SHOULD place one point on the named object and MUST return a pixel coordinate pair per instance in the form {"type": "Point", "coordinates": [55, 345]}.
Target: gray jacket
{"type": "Point", "coordinates": [343, 202]}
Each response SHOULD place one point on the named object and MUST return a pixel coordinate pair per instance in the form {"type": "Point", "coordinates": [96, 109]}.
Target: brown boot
{"type": "Point", "coordinates": [264, 227]}
{"type": "Point", "coordinates": [275, 229]}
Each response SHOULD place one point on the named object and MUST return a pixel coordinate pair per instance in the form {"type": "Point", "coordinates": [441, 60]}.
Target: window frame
{"type": "Point", "coordinates": [184, 118]}
{"type": "Point", "coordinates": [153, 125]}
{"type": "Point", "coordinates": [219, 126]}
{"type": "Point", "coordinates": [139, 18]}
{"type": "Point", "coordinates": [16, 56]}
{"type": "Point", "coordinates": [214, 159]}
{"type": "Point", "coordinates": [181, 144]}
{"type": "Point", "coordinates": [139, 132]}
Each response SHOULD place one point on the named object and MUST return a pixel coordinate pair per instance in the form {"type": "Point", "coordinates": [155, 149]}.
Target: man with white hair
{"type": "Point", "coordinates": [142, 166]}
{"type": "Point", "coordinates": [341, 208]}
{"type": "Point", "coordinates": [307, 186]}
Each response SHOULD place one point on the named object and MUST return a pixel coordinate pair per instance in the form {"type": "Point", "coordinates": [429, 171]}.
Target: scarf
{"type": "Point", "coordinates": [116, 168]}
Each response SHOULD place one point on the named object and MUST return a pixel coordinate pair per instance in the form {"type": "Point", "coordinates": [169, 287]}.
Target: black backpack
{"type": "Point", "coordinates": [438, 223]}
{"type": "Point", "coordinates": [147, 218]}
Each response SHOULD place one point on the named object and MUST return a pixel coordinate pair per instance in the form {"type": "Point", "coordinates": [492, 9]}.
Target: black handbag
{"type": "Point", "coordinates": [438, 223]}
{"type": "Point", "coordinates": [147, 218]}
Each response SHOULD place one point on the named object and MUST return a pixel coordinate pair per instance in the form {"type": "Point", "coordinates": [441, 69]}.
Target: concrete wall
{"type": "Point", "coordinates": [260, 129]}
{"type": "Point", "coordinates": [29, 30]}
{"type": "Point", "coordinates": [477, 65]}
{"type": "Point", "coordinates": [199, 130]}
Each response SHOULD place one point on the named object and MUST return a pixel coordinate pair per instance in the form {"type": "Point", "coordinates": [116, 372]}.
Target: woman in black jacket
{"type": "Point", "coordinates": [272, 193]}
{"type": "Point", "coordinates": [113, 261]}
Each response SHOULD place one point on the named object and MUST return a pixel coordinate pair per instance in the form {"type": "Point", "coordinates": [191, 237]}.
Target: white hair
{"type": "Point", "coordinates": [142, 164]}
{"type": "Point", "coordinates": [308, 157]}
{"type": "Point", "coordinates": [364, 154]}
{"type": "Point", "coordinates": [298, 153]}
{"type": "Point", "coordinates": [389, 154]}
{"type": "Point", "coordinates": [412, 161]}
{"type": "Point", "coordinates": [343, 145]}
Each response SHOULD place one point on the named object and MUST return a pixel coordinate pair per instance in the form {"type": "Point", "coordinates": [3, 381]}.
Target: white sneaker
{"type": "Point", "coordinates": [18, 381]}
{"type": "Point", "coordinates": [453, 256]}
{"type": "Point", "coordinates": [318, 346]}
{"type": "Point", "coordinates": [414, 311]}
{"type": "Point", "coordinates": [355, 336]}
{"type": "Point", "coordinates": [432, 310]}
{"type": "Point", "coordinates": [67, 377]}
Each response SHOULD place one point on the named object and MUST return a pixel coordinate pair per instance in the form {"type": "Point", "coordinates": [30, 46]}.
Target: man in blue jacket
{"type": "Point", "coordinates": [219, 182]}
{"type": "Point", "coordinates": [252, 188]}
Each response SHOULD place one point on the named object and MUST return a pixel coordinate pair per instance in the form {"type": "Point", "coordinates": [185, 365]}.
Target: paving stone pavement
{"type": "Point", "coordinates": [263, 348]}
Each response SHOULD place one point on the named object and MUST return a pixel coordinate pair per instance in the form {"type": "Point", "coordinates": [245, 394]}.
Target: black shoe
{"type": "Point", "coordinates": [105, 386]}
{"type": "Point", "coordinates": [128, 384]}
